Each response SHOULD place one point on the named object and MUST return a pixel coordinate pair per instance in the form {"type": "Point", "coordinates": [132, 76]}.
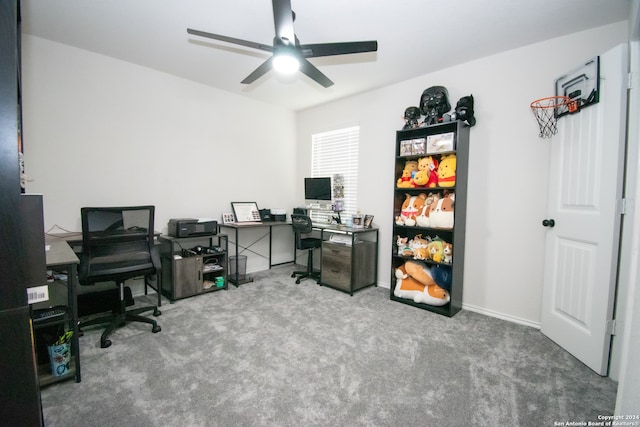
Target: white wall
{"type": "Point", "coordinates": [508, 183]}
{"type": "Point", "coordinates": [100, 131]}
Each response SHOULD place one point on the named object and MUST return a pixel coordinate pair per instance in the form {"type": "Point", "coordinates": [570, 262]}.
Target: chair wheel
{"type": "Point", "coordinates": [157, 312]}
{"type": "Point", "coordinates": [297, 281]}
{"type": "Point", "coordinates": [105, 343]}
{"type": "Point", "coordinates": [293, 275]}
{"type": "Point", "coordinates": [156, 329]}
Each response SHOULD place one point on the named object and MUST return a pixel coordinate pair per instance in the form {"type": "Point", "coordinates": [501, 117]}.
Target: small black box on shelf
{"type": "Point", "coordinates": [265, 215]}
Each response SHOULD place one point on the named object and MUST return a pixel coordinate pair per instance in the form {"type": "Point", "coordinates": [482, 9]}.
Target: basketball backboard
{"type": "Point", "coordinates": [581, 85]}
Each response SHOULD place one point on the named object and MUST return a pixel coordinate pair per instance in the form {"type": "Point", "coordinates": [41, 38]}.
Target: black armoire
{"type": "Point", "coordinates": [22, 262]}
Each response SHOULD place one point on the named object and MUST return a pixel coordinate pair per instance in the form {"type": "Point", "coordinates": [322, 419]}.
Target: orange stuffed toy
{"type": "Point", "coordinates": [414, 281]}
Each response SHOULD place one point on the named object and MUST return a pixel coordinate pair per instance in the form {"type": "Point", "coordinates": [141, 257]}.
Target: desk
{"type": "Point", "coordinates": [73, 239]}
{"type": "Point", "coordinates": [236, 227]}
{"type": "Point", "coordinates": [60, 257]}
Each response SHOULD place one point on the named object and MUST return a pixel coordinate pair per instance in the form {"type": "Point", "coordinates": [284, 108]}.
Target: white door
{"type": "Point", "coordinates": [587, 166]}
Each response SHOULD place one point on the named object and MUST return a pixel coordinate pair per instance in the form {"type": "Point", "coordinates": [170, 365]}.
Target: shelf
{"type": "Point", "coordinates": [453, 214]}
{"type": "Point", "coordinates": [45, 377]}
{"type": "Point", "coordinates": [444, 310]}
{"type": "Point", "coordinates": [195, 274]}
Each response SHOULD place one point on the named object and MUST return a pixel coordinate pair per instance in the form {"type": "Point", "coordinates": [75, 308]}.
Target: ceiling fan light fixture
{"type": "Point", "coordinates": [285, 63]}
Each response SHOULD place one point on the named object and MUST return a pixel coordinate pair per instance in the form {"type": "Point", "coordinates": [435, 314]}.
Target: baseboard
{"type": "Point", "coordinates": [487, 312]}
{"type": "Point", "coordinates": [502, 316]}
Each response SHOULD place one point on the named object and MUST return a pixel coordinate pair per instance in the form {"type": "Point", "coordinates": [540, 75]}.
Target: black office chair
{"type": "Point", "coordinates": [302, 227]}
{"type": "Point", "coordinates": [118, 244]}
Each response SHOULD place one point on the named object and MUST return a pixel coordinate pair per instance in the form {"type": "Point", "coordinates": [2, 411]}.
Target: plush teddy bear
{"type": "Point", "coordinates": [405, 180]}
{"type": "Point", "coordinates": [447, 171]}
{"type": "Point", "coordinates": [414, 281]}
{"type": "Point", "coordinates": [411, 208]}
{"type": "Point", "coordinates": [420, 179]}
{"type": "Point", "coordinates": [427, 175]}
{"type": "Point", "coordinates": [407, 173]}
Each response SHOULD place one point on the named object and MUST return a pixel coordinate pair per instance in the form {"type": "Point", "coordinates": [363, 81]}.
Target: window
{"type": "Point", "coordinates": [335, 154]}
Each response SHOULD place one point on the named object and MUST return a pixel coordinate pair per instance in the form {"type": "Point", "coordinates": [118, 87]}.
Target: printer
{"type": "Point", "coordinates": [190, 227]}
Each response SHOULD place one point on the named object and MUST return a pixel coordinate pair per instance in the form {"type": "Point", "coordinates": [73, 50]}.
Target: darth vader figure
{"type": "Point", "coordinates": [464, 110]}
{"type": "Point", "coordinates": [434, 103]}
{"type": "Point", "coordinates": [411, 116]}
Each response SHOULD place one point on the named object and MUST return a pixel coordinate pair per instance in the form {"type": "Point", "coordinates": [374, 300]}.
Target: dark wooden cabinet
{"type": "Point", "coordinates": [193, 265]}
{"type": "Point", "coordinates": [349, 258]}
{"type": "Point", "coordinates": [348, 268]}
{"type": "Point", "coordinates": [416, 226]}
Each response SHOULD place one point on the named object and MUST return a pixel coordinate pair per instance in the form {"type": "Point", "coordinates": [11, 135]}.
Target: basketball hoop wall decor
{"type": "Point", "coordinates": [545, 111]}
{"type": "Point", "coordinates": [575, 90]}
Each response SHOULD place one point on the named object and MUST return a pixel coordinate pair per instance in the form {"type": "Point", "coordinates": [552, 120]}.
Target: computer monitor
{"type": "Point", "coordinates": [317, 188]}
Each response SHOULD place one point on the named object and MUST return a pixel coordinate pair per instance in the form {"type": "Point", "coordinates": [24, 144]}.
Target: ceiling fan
{"type": "Point", "coordinates": [287, 50]}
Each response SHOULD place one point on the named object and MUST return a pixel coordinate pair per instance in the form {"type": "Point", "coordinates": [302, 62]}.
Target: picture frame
{"type": "Point", "coordinates": [357, 221]}
{"type": "Point", "coordinates": [419, 146]}
{"type": "Point", "coordinates": [246, 211]}
{"type": "Point", "coordinates": [406, 147]}
{"type": "Point", "coordinates": [228, 218]}
{"type": "Point", "coordinates": [441, 143]}
{"type": "Point", "coordinates": [368, 221]}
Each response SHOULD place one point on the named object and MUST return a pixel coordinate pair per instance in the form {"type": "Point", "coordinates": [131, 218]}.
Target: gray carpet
{"type": "Point", "coordinates": [273, 353]}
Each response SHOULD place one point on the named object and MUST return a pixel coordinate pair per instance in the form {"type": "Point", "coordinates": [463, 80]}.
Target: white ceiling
{"type": "Point", "coordinates": [415, 37]}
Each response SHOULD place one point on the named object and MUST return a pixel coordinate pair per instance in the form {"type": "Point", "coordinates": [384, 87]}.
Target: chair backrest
{"type": "Point", "coordinates": [302, 225]}
{"type": "Point", "coordinates": [117, 243]}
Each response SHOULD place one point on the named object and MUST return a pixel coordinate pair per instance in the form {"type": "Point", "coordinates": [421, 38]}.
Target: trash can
{"type": "Point", "coordinates": [242, 267]}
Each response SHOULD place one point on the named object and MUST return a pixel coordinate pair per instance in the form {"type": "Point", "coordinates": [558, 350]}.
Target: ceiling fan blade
{"type": "Point", "coordinates": [259, 72]}
{"type": "Point", "coordinates": [283, 21]}
{"type": "Point", "coordinates": [310, 70]}
{"type": "Point", "coordinates": [233, 40]}
{"type": "Point", "coordinates": [330, 49]}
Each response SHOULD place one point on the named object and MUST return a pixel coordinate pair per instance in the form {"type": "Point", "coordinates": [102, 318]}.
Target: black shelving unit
{"type": "Point", "coordinates": [455, 235]}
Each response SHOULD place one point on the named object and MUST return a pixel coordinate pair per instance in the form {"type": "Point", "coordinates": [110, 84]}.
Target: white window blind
{"type": "Point", "coordinates": [336, 153]}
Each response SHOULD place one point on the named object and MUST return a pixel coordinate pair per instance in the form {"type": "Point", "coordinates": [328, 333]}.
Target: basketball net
{"type": "Point", "coordinates": [545, 111]}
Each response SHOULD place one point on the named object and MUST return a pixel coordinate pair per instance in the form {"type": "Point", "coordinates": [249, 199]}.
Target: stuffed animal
{"type": "Point", "coordinates": [447, 171]}
{"type": "Point", "coordinates": [414, 281]}
{"type": "Point", "coordinates": [435, 250]}
{"type": "Point", "coordinates": [405, 180]}
{"type": "Point", "coordinates": [427, 175]}
{"type": "Point", "coordinates": [464, 111]}
{"type": "Point", "coordinates": [407, 173]}
{"type": "Point", "coordinates": [441, 211]}
{"type": "Point", "coordinates": [411, 208]}
{"type": "Point", "coordinates": [447, 252]}
{"type": "Point", "coordinates": [434, 103]}
{"type": "Point", "coordinates": [403, 246]}
{"type": "Point", "coordinates": [441, 274]}
{"type": "Point", "coordinates": [411, 116]}
{"type": "Point", "coordinates": [423, 218]}
{"type": "Point", "coordinates": [420, 179]}
{"type": "Point", "coordinates": [419, 246]}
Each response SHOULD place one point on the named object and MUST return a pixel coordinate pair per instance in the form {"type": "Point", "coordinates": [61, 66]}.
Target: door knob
{"type": "Point", "coordinates": [548, 223]}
